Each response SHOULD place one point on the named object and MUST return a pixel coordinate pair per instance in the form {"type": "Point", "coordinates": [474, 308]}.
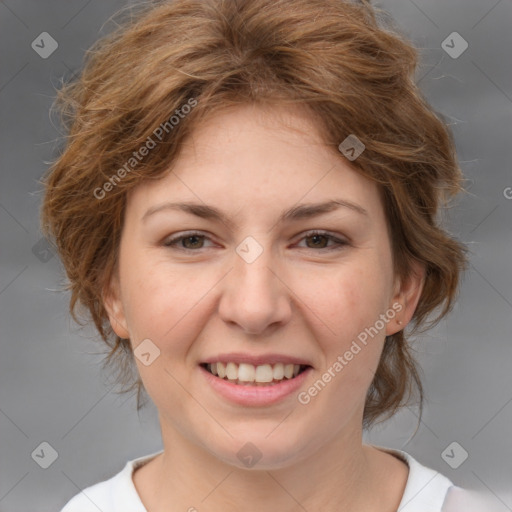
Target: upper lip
{"type": "Point", "coordinates": [256, 360]}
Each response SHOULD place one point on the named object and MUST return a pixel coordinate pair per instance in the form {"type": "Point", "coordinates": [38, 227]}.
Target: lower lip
{"type": "Point", "coordinates": [255, 395]}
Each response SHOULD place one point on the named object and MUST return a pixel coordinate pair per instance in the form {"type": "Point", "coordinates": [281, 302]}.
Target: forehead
{"type": "Point", "coordinates": [257, 159]}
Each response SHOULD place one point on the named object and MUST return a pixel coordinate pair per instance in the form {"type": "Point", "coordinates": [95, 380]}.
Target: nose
{"type": "Point", "coordinates": [255, 296]}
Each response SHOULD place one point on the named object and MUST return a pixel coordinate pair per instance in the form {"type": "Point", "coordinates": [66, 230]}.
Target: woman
{"type": "Point", "coordinates": [247, 205]}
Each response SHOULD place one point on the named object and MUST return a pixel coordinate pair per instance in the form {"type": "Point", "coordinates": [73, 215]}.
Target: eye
{"type": "Point", "coordinates": [188, 242]}
{"type": "Point", "coordinates": [320, 239]}
{"type": "Point", "coordinates": [194, 241]}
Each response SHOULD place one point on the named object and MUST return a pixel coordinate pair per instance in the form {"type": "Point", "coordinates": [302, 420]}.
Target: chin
{"type": "Point", "coordinates": [257, 450]}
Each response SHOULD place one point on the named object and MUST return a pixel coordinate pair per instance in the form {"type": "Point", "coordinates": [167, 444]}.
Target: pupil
{"type": "Point", "coordinates": [196, 237]}
{"type": "Point", "coordinates": [316, 237]}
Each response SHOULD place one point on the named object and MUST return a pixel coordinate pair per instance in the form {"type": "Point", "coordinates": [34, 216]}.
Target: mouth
{"type": "Point", "coordinates": [263, 375]}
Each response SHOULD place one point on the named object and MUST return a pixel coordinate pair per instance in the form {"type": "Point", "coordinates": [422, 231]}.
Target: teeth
{"type": "Point", "coordinates": [264, 373]}
{"type": "Point", "coordinates": [288, 371]}
{"type": "Point", "coordinates": [232, 371]}
{"type": "Point", "coordinates": [278, 371]}
{"type": "Point", "coordinates": [221, 370]}
{"type": "Point", "coordinates": [244, 373]}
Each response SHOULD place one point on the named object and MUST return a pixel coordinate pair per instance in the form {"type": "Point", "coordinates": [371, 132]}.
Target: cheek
{"type": "Point", "coordinates": [146, 293]}
{"type": "Point", "coordinates": [350, 305]}
{"type": "Point", "coordinates": [165, 304]}
{"type": "Point", "coordinates": [347, 299]}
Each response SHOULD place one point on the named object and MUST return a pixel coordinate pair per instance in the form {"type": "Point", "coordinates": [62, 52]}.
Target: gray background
{"type": "Point", "coordinates": [52, 388]}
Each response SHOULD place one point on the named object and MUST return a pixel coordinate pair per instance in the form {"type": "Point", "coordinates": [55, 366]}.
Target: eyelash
{"type": "Point", "coordinates": [339, 244]}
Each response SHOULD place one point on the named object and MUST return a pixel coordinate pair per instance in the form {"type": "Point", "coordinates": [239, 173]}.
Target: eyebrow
{"type": "Point", "coordinates": [299, 212]}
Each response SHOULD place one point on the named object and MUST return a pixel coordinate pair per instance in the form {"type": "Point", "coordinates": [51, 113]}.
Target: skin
{"type": "Point", "coordinates": [297, 298]}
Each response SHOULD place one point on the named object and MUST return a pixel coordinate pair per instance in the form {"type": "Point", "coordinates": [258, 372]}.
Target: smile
{"type": "Point", "coordinates": [245, 374]}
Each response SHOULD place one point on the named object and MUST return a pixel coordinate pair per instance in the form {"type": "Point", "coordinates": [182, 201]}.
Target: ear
{"type": "Point", "coordinates": [114, 307]}
{"type": "Point", "coordinates": [406, 296]}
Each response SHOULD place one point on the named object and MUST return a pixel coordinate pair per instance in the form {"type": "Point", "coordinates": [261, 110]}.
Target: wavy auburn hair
{"type": "Point", "coordinates": [342, 62]}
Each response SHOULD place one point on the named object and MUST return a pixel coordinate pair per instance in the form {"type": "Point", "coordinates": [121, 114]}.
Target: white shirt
{"type": "Point", "coordinates": [426, 491]}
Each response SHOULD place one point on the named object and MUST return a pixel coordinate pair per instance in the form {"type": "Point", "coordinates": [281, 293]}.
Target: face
{"type": "Point", "coordinates": [260, 282]}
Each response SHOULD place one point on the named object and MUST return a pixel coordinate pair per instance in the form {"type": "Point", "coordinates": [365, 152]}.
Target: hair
{"type": "Point", "coordinates": [342, 62]}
